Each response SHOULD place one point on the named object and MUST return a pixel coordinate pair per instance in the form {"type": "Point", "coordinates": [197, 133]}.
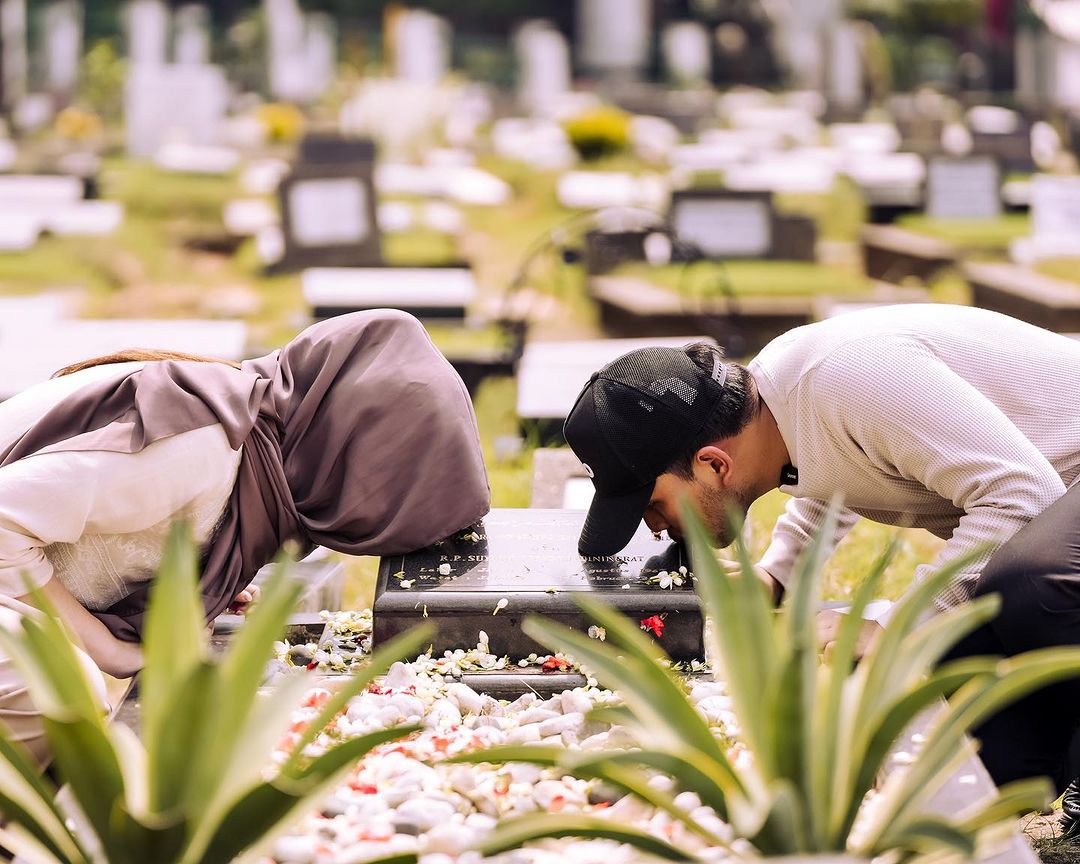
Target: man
{"type": "Point", "coordinates": [957, 420]}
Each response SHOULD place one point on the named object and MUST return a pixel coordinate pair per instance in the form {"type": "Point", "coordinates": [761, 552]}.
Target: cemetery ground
{"type": "Point", "coordinates": [172, 258]}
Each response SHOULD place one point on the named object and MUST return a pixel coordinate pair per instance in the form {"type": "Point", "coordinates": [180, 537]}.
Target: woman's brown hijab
{"type": "Point", "coordinates": [357, 435]}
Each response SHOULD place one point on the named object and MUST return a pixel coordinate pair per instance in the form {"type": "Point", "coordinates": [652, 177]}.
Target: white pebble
{"type": "Point", "coordinates": [522, 772]}
{"type": "Point", "coordinates": [536, 714]}
{"type": "Point", "coordinates": [596, 742]}
{"type": "Point", "coordinates": [425, 813]}
{"type": "Point", "coordinates": [400, 676]}
{"type": "Point", "coordinates": [575, 701]}
{"type": "Point", "coordinates": [297, 849]}
{"type": "Point", "coordinates": [442, 713]}
{"type": "Point", "coordinates": [687, 801]}
{"type": "Point", "coordinates": [529, 734]}
{"type": "Point", "coordinates": [466, 699]}
{"type": "Point", "coordinates": [567, 722]}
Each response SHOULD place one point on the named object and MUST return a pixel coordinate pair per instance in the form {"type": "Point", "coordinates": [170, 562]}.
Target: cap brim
{"type": "Point", "coordinates": [613, 520]}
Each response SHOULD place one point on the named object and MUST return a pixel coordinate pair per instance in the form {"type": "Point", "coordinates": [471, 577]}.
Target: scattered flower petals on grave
{"type": "Point", "coordinates": [444, 569]}
{"type": "Point", "coordinates": [502, 604]}
{"type": "Point", "coordinates": [654, 624]}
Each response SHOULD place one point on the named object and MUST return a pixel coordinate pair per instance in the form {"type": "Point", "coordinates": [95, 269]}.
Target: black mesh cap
{"type": "Point", "coordinates": [632, 420]}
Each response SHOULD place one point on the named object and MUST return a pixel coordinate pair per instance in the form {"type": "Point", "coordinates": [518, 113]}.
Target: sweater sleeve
{"type": "Point", "coordinates": [60, 496]}
{"type": "Point", "coordinates": [796, 527]}
{"type": "Point", "coordinates": [917, 421]}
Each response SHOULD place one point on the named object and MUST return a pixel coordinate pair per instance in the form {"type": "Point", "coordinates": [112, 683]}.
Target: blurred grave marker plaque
{"type": "Point", "coordinates": [725, 223]}
{"type": "Point", "coordinates": [1055, 206]}
{"type": "Point", "coordinates": [529, 559]}
{"type": "Point", "coordinates": [963, 187]}
{"type": "Point", "coordinates": [328, 205]}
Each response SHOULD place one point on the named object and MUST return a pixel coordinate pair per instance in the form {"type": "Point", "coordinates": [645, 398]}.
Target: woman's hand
{"type": "Point", "coordinates": [121, 660]}
{"type": "Point", "coordinates": [241, 604]}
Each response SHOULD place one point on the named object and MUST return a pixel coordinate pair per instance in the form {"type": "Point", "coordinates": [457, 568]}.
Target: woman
{"type": "Point", "coordinates": [357, 436]}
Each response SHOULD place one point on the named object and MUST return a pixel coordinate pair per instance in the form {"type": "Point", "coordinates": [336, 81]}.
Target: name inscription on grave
{"type": "Point", "coordinates": [530, 554]}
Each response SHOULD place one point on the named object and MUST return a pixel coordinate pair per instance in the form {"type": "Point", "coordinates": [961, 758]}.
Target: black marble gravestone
{"type": "Point", "coordinates": [529, 559]}
{"type": "Point", "coordinates": [328, 205]}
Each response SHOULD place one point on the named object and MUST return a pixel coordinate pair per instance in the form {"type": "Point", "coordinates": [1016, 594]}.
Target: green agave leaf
{"type": "Point", "coordinates": [28, 802]}
{"type": "Point", "coordinates": [14, 838]}
{"type": "Point", "coordinates": [744, 651]}
{"type": "Point", "coordinates": [784, 829]}
{"type": "Point", "coordinates": [615, 715]}
{"type": "Point", "coordinates": [85, 758]}
{"type": "Point", "coordinates": [648, 689]}
{"type": "Point", "coordinates": [266, 808]}
{"type": "Point", "coordinates": [174, 750]}
{"type": "Point", "coordinates": [884, 730]}
{"type": "Point", "coordinates": [830, 759]}
{"type": "Point", "coordinates": [513, 833]}
{"type": "Point", "coordinates": [974, 702]}
{"type": "Point", "coordinates": [173, 641]}
{"type": "Point", "coordinates": [620, 768]}
{"type": "Point", "coordinates": [238, 679]}
{"type": "Point", "coordinates": [408, 644]}
{"type": "Point", "coordinates": [930, 834]}
{"type": "Point", "coordinates": [1013, 799]}
{"type": "Point", "coordinates": [158, 838]}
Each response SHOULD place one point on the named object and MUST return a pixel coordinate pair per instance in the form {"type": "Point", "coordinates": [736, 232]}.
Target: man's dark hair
{"type": "Point", "coordinates": [737, 407]}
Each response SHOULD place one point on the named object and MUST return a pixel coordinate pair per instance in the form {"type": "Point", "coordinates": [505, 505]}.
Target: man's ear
{"type": "Point", "coordinates": [715, 461]}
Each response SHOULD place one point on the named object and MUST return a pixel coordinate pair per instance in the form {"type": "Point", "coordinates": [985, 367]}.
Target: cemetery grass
{"type": "Point", "coordinates": [750, 278]}
{"type": "Point", "coordinates": [980, 238]}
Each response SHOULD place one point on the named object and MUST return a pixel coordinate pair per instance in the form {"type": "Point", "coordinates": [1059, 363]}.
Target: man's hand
{"type": "Point", "coordinates": [828, 628]}
{"type": "Point", "coordinates": [734, 568]}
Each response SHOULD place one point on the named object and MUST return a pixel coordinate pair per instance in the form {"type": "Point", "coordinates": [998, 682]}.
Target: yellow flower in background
{"type": "Point", "coordinates": [282, 122]}
{"type": "Point", "coordinates": [600, 132]}
{"type": "Point", "coordinates": [78, 124]}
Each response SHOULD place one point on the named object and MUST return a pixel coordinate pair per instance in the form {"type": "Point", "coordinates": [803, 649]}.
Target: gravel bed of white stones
{"type": "Point", "coordinates": [400, 798]}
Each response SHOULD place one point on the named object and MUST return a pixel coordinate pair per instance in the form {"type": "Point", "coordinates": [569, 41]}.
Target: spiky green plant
{"type": "Point", "coordinates": [199, 787]}
{"type": "Point", "coordinates": [820, 734]}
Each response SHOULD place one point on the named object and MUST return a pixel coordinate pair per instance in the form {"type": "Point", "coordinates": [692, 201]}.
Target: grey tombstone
{"type": "Point", "coordinates": [13, 52]}
{"type": "Point", "coordinates": [529, 559]}
{"type": "Point", "coordinates": [147, 31]}
{"type": "Point", "coordinates": [614, 37]}
{"type": "Point", "coordinates": [728, 224]}
{"type": "Point", "coordinates": [963, 187]}
{"type": "Point", "coordinates": [543, 64]}
{"type": "Point", "coordinates": [845, 68]}
{"type": "Point", "coordinates": [191, 40]}
{"type": "Point", "coordinates": [559, 480]}
{"type": "Point", "coordinates": [328, 205]}
{"type": "Point", "coordinates": [63, 37]}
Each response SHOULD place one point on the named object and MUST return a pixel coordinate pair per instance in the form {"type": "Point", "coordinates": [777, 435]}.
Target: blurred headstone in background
{"type": "Point", "coordinates": [302, 51]}
{"type": "Point", "coordinates": [328, 205]}
{"type": "Point", "coordinates": [543, 65]}
{"type": "Point", "coordinates": [687, 53]}
{"type": "Point", "coordinates": [13, 52]}
{"type": "Point", "coordinates": [191, 34]}
{"type": "Point", "coordinates": [614, 37]}
{"type": "Point", "coordinates": [173, 104]}
{"type": "Point", "coordinates": [421, 49]}
{"type": "Point", "coordinates": [147, 32]}
{"type": "Point", "coordinates": [63, 40]}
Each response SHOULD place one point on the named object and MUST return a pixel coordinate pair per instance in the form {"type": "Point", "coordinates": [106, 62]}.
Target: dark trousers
{"type": "Point", "coordinates": [1037, 574]}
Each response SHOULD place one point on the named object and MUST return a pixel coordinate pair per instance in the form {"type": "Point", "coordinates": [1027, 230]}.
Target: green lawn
{"type": "Point", "coordinates": [745, 278]}
{"type": "Point", "coordinates": [977, 237]}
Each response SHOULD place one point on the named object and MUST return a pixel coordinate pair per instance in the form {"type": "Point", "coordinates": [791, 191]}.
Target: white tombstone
{"type": "Point", "coordinates": [797, 171]}
{"type": "Point", "coordinates": [13, 52]}
{"type": "Point", "coordinates": [551, 374]}
{"type": "Point", "coordinates": [147, 31]}
{"type": "Point", "coordinates": [422, 47]}
{"type": "Point", "coordinates": [865, 137]}
{"type": "Point", "coordinates": [614, 36]}
{"type": "Point", "coordinates": [445, 291]}
{"type": "Point", "coordinates": [246, 217]}
{"type": "Point", "coordinates": [595, 190]}
{"type": "Point", "coordinates": [543, 64]}
{"type": "Point", "coordinates": [320, 52]}
{"type": "Point", "coordinates": [725, 227]}
{"type": "Point", "coordinates": [687, 52]}
{"type": "Point", "coordinates": [182, 104]}
{"type": "Point", "coordinates": [191, 24]}
{"type": "Point", "coordinates": [63, 36]}
{"type": "Point", "coordinates": [285, 50]}
{"type": "Point", "coordinates": [1055, 220]}
{"type": "Point", "coordinates": [845, 75]}
{"type": "Point", "coordinates": [963, 188]}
